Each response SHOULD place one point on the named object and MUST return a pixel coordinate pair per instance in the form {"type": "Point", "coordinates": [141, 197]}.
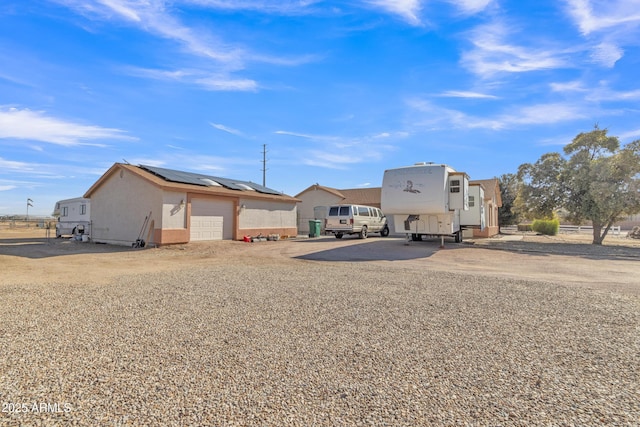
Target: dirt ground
{"type": "Point", "coordinates": [28, 256]}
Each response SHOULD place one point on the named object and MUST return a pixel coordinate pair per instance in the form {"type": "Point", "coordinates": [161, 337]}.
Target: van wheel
{"type": "Point", "coordinates": [363, 232]}
{"type": "Point", "coordinates": [339, 235]}
{"type": "Point", "coordinates": [385, 231]}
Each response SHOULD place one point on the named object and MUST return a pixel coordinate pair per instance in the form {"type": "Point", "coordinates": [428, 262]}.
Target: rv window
{"type": "Point", "coordinates": [333, 211]}
{"type": "Point", "coordinates": [455, 186]}
{"type": "Point", "coordinates": [344, 210]}
{"type": "Point", "coordinates": [83, 209]}
{"type": "Point", "coordinates": [472, 202]}
{"type": "Point", "coordinates": [364, 211]}
{"type": "Point", "coordinates": [65, 211]}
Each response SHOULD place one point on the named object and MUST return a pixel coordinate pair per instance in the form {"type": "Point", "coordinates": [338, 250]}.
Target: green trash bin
{"type": "Point", "coordinates": [314, 228]}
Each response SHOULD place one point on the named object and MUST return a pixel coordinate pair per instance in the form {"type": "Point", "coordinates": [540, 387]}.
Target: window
{"type": "Point", "coordinates": [344, 210]}
{"type": "Point", "coordinates": [65, 211]}
{"type": "Point", "coordinates": [363, 211]}
{"type": "Point", "coordinates": [472, 201]}
{"type": "Point", "coordinates": [454, 187]}
{"type": "Point", "coordinates": [333, 211]}
{"type": "Point", "coordinates": [83, 209]}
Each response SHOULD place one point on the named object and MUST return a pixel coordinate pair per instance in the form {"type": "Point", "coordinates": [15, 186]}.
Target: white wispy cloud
{"type": "Point", "coordinates": [606, 54]}
{"type": "Point", "coordinates": [545, 114]}
{"type": "Point", "coordinates": [202, 78]}
{"type": "Point", "coordinates": [227, 84]}
{"type": "Point", "coordinates": [7, 187]}
{"type": "Point", "coordinates": [38, 126]}
{"type": "Point", "coordinates": [434, 116]}
{"type": "Point", "coordinates": [280, 7]}
{"type": "Point", "coordinates": [606, 94]}
{"type": "Point", "coordinates": [630, 135]}
{"type": "Point", "coordinates": [465, 94]}
{"type": "Point", "coordinates": [598, 15]}
{"type": "Point", "coordinates": [340, 151]}
{"type": "Point", "coordinates": [14, 165]}
{"type": "Point", "coordinates": [155, 17]}
{"type": "Point", "coordinates": [408, 10]}
{"type": "Point", "coordinates": [574, 86]}
{"type": "Point", "coordinates": [492, 53]}
{"type": "Point", "coordinates": [300, 135]}
{"type": "Point", "coordinates": [608, 25]}
{"type": "Point", "coordinates": [471, 6]}
{"type": "Point", "coordinates": [226, 129]}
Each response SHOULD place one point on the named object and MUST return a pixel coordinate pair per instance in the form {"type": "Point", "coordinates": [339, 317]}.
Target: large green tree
{"type": "Point", "coordinates": [508, 193]}
{"type": "Point", "coordinates": [597, 181]}
{"type": "Point", "coordinates": [540, 191]}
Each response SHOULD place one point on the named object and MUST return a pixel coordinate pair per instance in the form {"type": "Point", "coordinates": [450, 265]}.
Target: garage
{"type": "Point", "coordinates": [178, 207]}
{"type": "Point", "coordinates": [211, 219]}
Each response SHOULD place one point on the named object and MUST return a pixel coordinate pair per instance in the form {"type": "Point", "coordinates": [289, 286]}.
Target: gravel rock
{"type": "Point", "coordinates": [304, 343]}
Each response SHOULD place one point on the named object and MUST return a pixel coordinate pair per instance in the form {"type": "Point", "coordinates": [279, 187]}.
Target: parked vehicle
{"type": "Point", "coordinates": [425, 200]}
{"type": "Point", "coordinates": [73, 217]}
{"type": "Point", "coordinates": [355, 219]}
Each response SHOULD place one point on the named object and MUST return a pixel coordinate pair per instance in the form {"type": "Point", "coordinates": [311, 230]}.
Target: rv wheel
{"type": "Point", "coordinates": [459, 237]}
{"type": "Point", "coordinates": [338, 235]}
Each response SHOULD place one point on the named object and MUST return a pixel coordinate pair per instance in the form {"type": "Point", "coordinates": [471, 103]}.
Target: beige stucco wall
{"type": "Point", "coordinates": [266, 217]}
{"type": "Point", "coordinates": [491, 220]}
{"type": "Point", "coordinates": [174, 210]}
{"type": "Point", "coordinates": [309, 200]}
{"type": "Point", "coordinates": [119, 207]}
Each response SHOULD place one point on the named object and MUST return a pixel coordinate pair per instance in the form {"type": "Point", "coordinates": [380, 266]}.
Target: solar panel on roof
{"type": "Point", "coordinates": [206, 180]}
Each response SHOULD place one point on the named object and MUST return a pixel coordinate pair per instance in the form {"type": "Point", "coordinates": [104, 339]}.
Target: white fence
{"type": "Point", "coordinates": [614, 231]}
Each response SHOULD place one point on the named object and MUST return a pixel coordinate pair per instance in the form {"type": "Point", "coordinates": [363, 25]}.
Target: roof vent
{"type": "Point", "coordinates": [245, 186]}
{"type": "Point", "coordinates": [210, 182]}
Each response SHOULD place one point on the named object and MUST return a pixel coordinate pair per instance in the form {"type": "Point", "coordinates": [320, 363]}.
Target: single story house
{"type": "Point", "coordinates": [164, 206]}
{"type": "Point", "coordinates": [314, 200]}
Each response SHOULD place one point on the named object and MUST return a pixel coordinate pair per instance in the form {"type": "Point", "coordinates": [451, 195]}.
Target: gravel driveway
{"type": "Point", "coordinates": [279, 334]}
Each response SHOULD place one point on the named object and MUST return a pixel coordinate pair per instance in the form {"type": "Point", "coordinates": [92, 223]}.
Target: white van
{"type": "Point", "coordinates": [355, 219]}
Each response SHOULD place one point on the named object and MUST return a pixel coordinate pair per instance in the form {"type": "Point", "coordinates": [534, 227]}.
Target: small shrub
{"type": "Point", "coordinates": [547, 227]}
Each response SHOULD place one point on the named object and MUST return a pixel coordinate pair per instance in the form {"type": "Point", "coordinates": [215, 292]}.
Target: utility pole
{"type": "Point", "coordinates": [264, 165]}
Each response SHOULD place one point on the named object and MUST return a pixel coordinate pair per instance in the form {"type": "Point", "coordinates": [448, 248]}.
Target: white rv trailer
{"type": "Point", "coordinates": [474, 217]}
{"type": "Point", "coordinates": [425, 200]}
{"type": "Point", "coordinates": [73, 216]}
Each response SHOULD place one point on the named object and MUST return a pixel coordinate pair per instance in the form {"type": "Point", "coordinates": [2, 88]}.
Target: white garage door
{"type": "Point", "coordinates": [211, 220]}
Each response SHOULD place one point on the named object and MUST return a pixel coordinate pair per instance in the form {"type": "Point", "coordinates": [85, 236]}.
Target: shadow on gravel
{"type": "Point", "coordinates": [38, 248]}
{"type": "Point", "coordinates": [587, 251]}
{"type": "Point", "coordinates": [374, 249]}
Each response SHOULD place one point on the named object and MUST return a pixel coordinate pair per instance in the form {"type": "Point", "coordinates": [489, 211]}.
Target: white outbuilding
{"type": "Point", "coordinates": [162, 206]}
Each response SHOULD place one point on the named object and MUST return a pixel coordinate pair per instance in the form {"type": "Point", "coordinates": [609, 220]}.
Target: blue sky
{"type": "Point", "coordinates": [338, 90]}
